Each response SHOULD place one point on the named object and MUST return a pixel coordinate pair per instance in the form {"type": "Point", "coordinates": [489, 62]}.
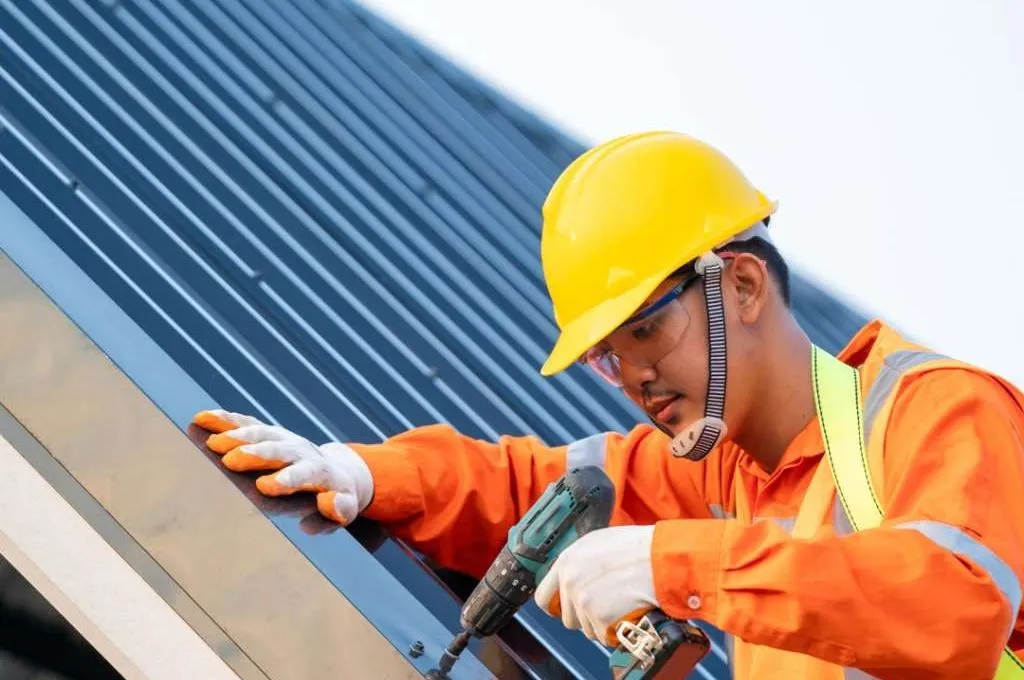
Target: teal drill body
{"type": "Point", "coordinates": [578, 503]}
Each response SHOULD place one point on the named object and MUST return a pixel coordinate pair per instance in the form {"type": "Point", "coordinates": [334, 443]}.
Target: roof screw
{"type": "Point", "coordinates": [416, 649]}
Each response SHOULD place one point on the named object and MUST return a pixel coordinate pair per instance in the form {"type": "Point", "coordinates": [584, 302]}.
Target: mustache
{"type": "Point", "coordinates": [649, 395]}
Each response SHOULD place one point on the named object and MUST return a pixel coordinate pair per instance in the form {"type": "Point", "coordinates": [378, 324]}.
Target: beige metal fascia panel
{"type": "Point", "coordinates": [90, 566]}
{"type": "Point", "coordinates": [225, 556]}
{"type": "Point", "coordinates": [91, 585]}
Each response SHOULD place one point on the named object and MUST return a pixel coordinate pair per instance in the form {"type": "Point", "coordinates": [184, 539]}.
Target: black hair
{"type": "Point", "coordinates": [774, 262]}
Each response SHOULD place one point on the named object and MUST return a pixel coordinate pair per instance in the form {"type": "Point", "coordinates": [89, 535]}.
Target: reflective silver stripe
{"type": "Point", "coordinates": [787, 523]}
{"type": "Point", "coordinates": [730, 647]}
{"type": "Point", "coordinates": [956, 541]}
{"type": "Point", "coordinates": [718, 512]}
{"type": "Point", "coordinates": [855, 674]}
{"type": "Point", "coordinates": [589, 451]}
{"type": "Point", "coordinates": [893, 368]}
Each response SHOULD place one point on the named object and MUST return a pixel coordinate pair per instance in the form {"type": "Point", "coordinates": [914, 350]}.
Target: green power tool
{"type": "Point", "coordinates": [579, 502]}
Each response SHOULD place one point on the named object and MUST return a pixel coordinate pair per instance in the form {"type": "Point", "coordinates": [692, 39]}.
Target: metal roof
{"type": "Point", "coordinates": [319, 219]}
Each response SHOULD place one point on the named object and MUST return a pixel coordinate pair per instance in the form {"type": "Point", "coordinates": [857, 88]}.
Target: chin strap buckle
{"type": "Point", "coordinates": [707, 261]}
{"type": "Point", "coordinates": [699, 439]}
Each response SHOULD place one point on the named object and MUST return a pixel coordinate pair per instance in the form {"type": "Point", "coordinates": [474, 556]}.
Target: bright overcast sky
{"type": "Point", "coordinates": [892, 133]}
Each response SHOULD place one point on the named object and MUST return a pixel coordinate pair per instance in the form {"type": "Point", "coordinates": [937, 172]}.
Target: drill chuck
{"type": "Point", "coordinates": [506, 587]}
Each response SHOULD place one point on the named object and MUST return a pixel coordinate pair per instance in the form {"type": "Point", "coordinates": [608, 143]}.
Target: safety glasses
{"type": "Point", "coordinates": [645, 338]}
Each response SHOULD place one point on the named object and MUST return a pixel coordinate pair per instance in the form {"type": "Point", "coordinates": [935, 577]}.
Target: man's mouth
{"type": "Point", "coordinates": [661, 410]}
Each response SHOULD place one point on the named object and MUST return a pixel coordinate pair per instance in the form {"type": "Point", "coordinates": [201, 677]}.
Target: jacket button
{"type": "Point", "coordinates": [693, 602]}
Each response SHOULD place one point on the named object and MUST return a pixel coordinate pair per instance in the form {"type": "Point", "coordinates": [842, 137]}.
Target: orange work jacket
{"type": "Point", "coordinates": [933, 592]}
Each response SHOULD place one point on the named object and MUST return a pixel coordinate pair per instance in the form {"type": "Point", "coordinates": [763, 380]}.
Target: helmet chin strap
{"type": "Point", "coordinates": [700, 438]}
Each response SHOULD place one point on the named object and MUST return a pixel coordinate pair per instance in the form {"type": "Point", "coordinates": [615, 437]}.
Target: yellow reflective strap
{"type": "Point", "coordinates": [1010, 667]}
{"type": "Point", "coordinates": [838, 401]}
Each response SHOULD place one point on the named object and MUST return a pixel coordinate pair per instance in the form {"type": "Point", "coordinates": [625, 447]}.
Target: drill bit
{"type": "Point", "coordinates": [450, 655]}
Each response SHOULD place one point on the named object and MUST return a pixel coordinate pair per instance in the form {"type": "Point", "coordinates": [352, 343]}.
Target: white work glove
{"type": "Point", "coordinates": [338, 475]}
{"type": "Point", "coordinates": [601, 579]}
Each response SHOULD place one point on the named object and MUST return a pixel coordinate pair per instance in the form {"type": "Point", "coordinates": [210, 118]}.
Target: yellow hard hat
{"type": "Point", "coordinates": [625, 215]}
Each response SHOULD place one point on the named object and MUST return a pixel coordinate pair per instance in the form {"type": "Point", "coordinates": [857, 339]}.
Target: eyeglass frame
{"type": "Point", "coordinates": [664, 300]}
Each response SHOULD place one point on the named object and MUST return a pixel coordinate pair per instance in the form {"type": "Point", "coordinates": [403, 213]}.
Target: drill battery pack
{"type": "Point", "coordinates": [658, 648]}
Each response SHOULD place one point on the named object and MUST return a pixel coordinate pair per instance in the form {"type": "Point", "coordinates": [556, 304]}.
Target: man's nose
{"type": "Point", "coordinates": [635, 377]}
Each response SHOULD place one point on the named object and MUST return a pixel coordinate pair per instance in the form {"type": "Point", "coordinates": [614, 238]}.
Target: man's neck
{"type": "Point", "coordinates": [785, 399]}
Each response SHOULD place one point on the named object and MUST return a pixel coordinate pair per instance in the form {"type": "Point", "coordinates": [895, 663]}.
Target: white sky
{"type": "Point", "coordinates": [891, 132]}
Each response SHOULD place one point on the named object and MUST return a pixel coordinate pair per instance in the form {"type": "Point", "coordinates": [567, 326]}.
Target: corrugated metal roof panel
{"type": "Point", "coordinates": [315, 216]}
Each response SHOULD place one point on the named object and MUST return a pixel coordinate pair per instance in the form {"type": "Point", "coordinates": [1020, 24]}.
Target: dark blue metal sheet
{"type": "Point", "coordinates": [317, 218]}
{"type": "Point", "coordinates": [350, 558]}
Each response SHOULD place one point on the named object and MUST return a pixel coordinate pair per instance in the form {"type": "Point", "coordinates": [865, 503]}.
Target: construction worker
{"type": "Point", "coordinates": [837, 517]}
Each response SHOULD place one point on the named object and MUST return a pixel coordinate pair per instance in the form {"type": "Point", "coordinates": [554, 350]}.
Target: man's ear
{"type": "Point", "coordinates": [749, 276]}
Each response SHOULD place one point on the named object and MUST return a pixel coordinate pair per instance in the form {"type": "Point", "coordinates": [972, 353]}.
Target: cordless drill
{"type": "Point", "coordinates": [579, 502]}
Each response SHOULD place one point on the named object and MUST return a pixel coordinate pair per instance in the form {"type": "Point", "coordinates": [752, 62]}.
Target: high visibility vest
{"type": "Point", "coordinates": [853, 423]}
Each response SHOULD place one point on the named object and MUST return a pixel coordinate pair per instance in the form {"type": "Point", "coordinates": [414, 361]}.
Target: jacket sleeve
{"type": "Point", "coordinates": [454, 498]}
{"type": "Point", "coordinates": [933, 592]}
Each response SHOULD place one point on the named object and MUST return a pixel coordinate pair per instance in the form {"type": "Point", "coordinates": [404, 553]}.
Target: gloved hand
{"type": "Point", "coordinates": [601, 579]}
{"type": "Point", "coordinates": [338, 475]}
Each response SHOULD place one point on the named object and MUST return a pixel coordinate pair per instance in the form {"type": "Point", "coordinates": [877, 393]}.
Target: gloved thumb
{"type": "Point", "coordinates": [546, 595]}
{"type": "Point", "coordinates": [340, 506]}
{"type": "Point", "coordinates": [549, 597]}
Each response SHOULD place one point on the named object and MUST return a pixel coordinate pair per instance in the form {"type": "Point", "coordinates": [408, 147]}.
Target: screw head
{"type": "Point", "coordinates": [416, 649]}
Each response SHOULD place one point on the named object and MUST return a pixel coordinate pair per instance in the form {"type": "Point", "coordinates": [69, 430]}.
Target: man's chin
{"type": "Point", "coordinates": [671, 427]}
{"type": "Point", "coordinates": [671, 422]}
{"type": "Point", "coordinates": [678, 427]}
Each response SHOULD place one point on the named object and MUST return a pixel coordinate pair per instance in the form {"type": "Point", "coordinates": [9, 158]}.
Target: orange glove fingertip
{"type": "Point", "coordinates": [222, 443]}
{"type": "Point", "coordinates": [269, 486]}
{"type": "Point", "coordinates": [325, 504]}
{"type": "Point", "coordinates": [208, 420]}
{"type": "Point", "coordinates": [555, 606]}
{"type": "Point", "coordinates": [239, 460]}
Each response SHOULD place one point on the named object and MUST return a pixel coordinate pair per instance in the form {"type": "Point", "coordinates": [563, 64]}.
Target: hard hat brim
{"type": "Point", "coordinates": [581, 334]}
